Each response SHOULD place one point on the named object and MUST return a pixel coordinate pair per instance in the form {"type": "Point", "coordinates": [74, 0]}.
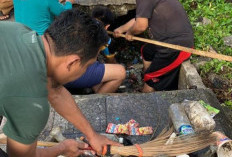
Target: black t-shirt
{"type": "Point", "coordinates": [168, 21]}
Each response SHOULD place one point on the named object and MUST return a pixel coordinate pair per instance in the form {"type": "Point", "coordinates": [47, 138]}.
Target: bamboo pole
{"type": "Point", "coordinates": [181, 48]}
{"type": "Point", "coordinates": [3, 140]}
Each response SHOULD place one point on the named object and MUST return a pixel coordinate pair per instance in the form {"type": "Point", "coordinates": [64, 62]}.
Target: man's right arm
{"type": "Point", "coordinates": [124, 28]}
{"type": "Point", "coordinates": [69, 148]}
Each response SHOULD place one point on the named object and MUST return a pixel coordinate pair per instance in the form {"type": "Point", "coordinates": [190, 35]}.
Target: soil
{"type": "Point", "coordinates": [223, 91]}
{"type": "Point", "coordinates": [223, 94]}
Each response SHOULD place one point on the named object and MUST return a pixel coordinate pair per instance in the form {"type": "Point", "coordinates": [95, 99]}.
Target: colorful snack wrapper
{"type": "Point", "coordinates": [130, 128]}
{"type": "Point", "coordinates": [114, 129]}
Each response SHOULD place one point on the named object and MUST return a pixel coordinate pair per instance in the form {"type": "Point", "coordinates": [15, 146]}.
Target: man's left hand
{"type": "Point", "coordinates": [98, 141]}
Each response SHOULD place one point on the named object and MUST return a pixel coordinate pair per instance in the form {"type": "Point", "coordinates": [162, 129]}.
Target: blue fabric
{"type": "Point", "coordinates": [106, 51]}
{"type": "Point", "coordinates": [90, 78]}
{"type": "Point", "coordinates": [37, 14]}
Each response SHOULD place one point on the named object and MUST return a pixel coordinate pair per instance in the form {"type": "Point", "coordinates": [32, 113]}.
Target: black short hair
{"type": "Point", "coordinates": [103, 14]}
{"type": "Point", "coordinates": [74, 32]}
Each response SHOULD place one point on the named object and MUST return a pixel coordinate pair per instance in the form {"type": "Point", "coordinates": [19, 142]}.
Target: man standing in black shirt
{"type": "Point", "coordinates": [166, 21]}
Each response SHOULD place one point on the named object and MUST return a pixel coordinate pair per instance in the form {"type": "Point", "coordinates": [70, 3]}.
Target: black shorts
{"type": "Point", "coordinates": [161, 57]}
{"type": "Point", "coordinates": [93, 76]}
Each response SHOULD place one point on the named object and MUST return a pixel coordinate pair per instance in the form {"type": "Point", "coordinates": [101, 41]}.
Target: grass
{"type": "Point", "coordinates": [212, 34]}
{"type": "Point", "coordinates": [220, 14]}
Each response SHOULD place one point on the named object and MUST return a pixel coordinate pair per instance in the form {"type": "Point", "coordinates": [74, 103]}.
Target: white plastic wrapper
{"type": "Point", "coordinates": [198, 116]}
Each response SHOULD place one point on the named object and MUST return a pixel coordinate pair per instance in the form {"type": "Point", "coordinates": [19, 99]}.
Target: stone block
{"type": "Point", "coordinates": [228, 40]}
{"type": "Point", "coordinates": [189, 77]}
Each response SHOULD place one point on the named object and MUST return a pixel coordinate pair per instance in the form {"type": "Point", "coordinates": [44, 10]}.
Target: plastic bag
{"type": "Point", "coordinates": [198, 116]}
{"type": "Point", "coordinates": [211, 110]}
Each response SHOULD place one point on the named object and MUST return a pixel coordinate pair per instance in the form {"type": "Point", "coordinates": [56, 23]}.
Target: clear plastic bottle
{"type": "Point", "coordinates": [180, 119]}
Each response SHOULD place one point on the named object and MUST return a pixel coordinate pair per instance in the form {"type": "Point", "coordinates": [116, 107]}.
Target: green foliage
{"type": "Point", "coordinates": [228, 103]}
{"type": "Point", "coordinates": [219, 12]}
{"type": "Point", "coordinates": [212, 34]}
{"type": "Point", "coordinates": [217, 67]}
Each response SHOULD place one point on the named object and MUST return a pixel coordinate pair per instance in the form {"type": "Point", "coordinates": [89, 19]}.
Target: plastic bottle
{"type": "Point", "coordinates": [180, 119]}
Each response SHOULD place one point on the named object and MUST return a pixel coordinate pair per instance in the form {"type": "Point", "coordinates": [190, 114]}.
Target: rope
{"type": "Point", "coordinates": [139, 150]}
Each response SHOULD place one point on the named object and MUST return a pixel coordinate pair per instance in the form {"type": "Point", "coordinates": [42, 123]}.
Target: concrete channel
{"type": "Point", "coordinates": [147, 109]}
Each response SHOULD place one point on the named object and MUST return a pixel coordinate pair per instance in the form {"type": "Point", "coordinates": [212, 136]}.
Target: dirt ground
{"type": "Point", "coordinates": [223, 94]}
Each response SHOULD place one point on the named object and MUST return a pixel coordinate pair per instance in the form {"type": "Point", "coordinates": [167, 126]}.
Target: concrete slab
{"type": "Point", "coordinates": [148, 109]}
{"type": "Point", "coordinates": [93, 107]}
{"type": "Point", "coordinates": [223, 123]}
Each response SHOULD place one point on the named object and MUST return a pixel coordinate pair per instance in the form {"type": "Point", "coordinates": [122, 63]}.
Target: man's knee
{"type": "Point", "coordinates": [121, 72]}
{"type": "Point", "coordinates": [114, 72]}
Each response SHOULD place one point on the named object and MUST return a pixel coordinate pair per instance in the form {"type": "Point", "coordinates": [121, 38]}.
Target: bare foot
{"type": "Point", "coordinates": [4, 17]}
{"type": "Point", "coordinates": [147, 89]}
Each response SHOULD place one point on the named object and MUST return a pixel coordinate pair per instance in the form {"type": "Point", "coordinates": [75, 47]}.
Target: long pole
{"type": "Point", "coordinates": [3, 140]}
{"type": "Point", "coordinates": [181, 48]}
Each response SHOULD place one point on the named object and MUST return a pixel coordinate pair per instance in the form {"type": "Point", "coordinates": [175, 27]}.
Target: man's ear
{"type": "Point", "coordinates": [72, 61]}
{"type": "Point", "coordinates": [107, 26]}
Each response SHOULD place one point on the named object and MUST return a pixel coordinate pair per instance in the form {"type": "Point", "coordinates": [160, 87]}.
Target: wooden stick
{"type": "Point", "coordinates": [3, 140]}
{"type": "Point", "coordinates": [181, 48]}
{"type": "Point", "coordinates": [46, 144]}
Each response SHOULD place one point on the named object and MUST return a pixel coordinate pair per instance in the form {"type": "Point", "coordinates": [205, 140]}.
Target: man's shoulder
{"type": "Point", "coordinates": [12, 29]}
{"type": "Point", "coordinates": [22, 59]}
{"type": "Point", "coordinates": [11, 24]}
{"type": "Point", "coordinates": [19, 39]}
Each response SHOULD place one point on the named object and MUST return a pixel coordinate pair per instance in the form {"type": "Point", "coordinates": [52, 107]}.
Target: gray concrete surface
{"type": "Point", "coordinates": [147, 109]}
{"type": "Point", "coordinates": [119, 7]}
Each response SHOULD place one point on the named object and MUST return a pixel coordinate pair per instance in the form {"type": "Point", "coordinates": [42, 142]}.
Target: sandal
{"type": "Point", "coordinates": [4, 17]}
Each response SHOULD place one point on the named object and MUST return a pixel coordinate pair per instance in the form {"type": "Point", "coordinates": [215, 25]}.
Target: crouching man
{"type": "Point", "coordinates": [33, 69]}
